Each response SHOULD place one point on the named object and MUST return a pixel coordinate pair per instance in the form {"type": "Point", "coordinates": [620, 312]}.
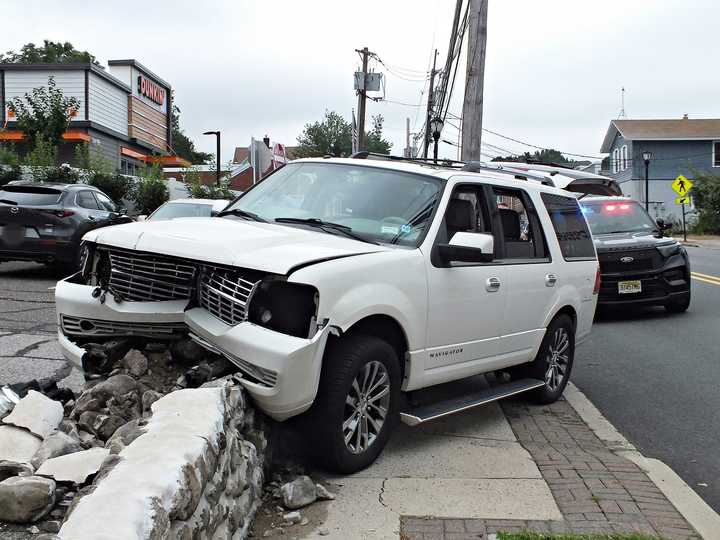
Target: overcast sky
{"type": "Point", "coordinates": [249, 68]}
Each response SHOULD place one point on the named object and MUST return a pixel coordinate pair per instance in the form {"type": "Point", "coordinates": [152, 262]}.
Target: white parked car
{"type": "Point", "coordinates": [337, 285]}
{"type": "Point", "coordinates": [178, 208]}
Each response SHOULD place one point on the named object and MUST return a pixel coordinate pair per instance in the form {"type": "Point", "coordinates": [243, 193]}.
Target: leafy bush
{"type": "Point", "coordinates": [115, 186]}
{"type": "Point", "coordinates": [706, 195]}
{"type": "Point", "coordinates": [8, 156]}
{"type": "Point", "coordinates": [151, 191]}
{"type": "Point", "coordinates": [62, 174]}
{"type": "Point", "coordinates": [198, 190]}
{"type": "Point", "coordinates": [9, 173]}
{"type": "Point", "coordinates": [43, 154]}
{"type": "Point", "coordinates": [92, 160]}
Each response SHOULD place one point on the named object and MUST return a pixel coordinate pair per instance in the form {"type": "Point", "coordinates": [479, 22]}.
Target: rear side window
{"type": "Point", "coordinates": [29, 195]}
{"type": "Point", "coordinates": [570, 227]}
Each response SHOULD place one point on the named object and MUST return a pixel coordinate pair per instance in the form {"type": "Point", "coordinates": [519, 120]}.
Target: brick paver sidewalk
{"type": "Point", "coordinates": [596, 490]}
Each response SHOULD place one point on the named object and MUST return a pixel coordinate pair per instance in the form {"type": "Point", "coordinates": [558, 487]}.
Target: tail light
{"type": "Point", "coordinates": [596, 288]}
{"type": "Point", "coordinates": [63, 213]}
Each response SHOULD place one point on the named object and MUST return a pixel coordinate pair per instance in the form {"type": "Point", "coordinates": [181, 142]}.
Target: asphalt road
{"type": "Point", "coordinates": [656, 377]}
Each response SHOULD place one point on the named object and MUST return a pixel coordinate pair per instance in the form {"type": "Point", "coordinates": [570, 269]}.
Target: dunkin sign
{"type": "Point", "coordinates": [153, 91]}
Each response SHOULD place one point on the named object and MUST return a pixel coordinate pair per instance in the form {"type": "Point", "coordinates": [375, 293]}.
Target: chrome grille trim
{"type": "Point", "coordinates": [225, 294]}
{"type": "Point", "coordinates": [255, 374]}
{"type": "Point", "coordinates": [144, 277]}
{"type": "Point", "coordinates": [98, 328]}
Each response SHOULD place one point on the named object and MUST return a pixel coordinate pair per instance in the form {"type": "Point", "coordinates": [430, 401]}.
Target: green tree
{"type": "Point", "coordinates": [183, 145]}
{"type": "Point", "coordinates": [198, 190]}
{"type": "Point", "coordinates": [51, 52]}
{"type": "Point", "coordinates": [44, 111]}
{"type": "Point", "coordinates": [547, 155]}
{"type": "Point", "coordinates": [9, 165]}
{"type": "Point", "coordinates": [706, 196]}
{"type": "Point", "coordinates": [333, 137]}
{"type": "Point", "coordinates": [92, 160]}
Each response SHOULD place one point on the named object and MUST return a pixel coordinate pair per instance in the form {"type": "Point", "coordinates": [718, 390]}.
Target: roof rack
{"type": "Point", "coordinates": [464, 166]}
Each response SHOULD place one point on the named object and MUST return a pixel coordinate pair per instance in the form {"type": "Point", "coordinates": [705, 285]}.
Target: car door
{"type": "Point", "coordinates": [96, 216]}
{"type": "Point", "coordinates": [466, 301]}
{"type": "Point", "coordinates": [531, 277]}
{"type": "Point", "coordinates": [114, 217]}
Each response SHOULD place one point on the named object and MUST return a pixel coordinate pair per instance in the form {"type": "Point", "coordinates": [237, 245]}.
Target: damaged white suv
{"type": "Point", "coordinates": [337, 285]}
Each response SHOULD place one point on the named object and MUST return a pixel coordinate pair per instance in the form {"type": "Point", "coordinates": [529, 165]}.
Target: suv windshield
{"type": "Point", "coordinates": [608, 216]}
{"type": "Point", "coordinates": [378, 205]}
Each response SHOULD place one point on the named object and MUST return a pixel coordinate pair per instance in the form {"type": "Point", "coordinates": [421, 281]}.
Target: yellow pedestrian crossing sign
{"type": "Point", "coordinates": [681, 185]}
{"type": "Point", "coordinates": [682, 200]}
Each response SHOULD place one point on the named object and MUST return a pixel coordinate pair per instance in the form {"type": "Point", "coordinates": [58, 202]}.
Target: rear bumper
{"type": "Point", "coordinates": [38, 250]}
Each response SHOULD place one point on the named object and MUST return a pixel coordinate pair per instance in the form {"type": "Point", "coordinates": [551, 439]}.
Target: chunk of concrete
{"type": "Point", "coordinates": [37, 413]}
{"type": "Point", "coordinates": [8, 469]}
{"type": "Point", "coordinates": [136, 363]}
{"type": "Point", "coordinates": [75, 467]}
{"type": "Point", "coordinates": [57, 444]}
{"type": "Point", "coordinates": [298, 493]}
{"type": "Point", "coordinates": [24, 499]}
{"type": "Point", "coordinates": [17, 444]}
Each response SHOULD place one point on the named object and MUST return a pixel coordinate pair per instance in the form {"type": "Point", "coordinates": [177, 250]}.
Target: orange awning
{"type": "Point", "coordinates": [132, 153]}
{"type": "Point", "coordinates": [169, 161]}
{"type": "Point", "coordinates": [72, 135]}
{"type": "Point", "coordinates": [11, 135]}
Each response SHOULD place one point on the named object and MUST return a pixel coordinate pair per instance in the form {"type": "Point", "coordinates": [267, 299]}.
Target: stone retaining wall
{"type": "Point", "coordinates": [194, 472]}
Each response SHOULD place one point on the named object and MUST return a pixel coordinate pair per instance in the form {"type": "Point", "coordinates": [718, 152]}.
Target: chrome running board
{"type": "Point", "coordinates": [433, 411]}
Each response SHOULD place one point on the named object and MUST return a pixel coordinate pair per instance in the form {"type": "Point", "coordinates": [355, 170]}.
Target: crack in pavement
{"type": "Point", "coordinates": [26, 300]}
{"type": "Point", "coordinates": [31, 347]}
{"type": "Point", "coordinates": [27, 310]}
{"type": "Point", "coordinates": [45, 358]}
{"type": "Point", "coordinates": [382, 492]}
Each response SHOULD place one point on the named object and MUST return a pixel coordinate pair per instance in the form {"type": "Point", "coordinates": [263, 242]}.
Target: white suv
{"type": "Point", "coordinates": [337, 285]}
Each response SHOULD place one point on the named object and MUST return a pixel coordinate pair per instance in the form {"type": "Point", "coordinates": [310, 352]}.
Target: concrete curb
{"type": "Point", "coordinates": [696, 511]}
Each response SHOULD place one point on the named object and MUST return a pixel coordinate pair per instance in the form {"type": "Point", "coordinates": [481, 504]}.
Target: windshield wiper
{"type": "Point", "coordinates": [241, 213]}
{"type": "Point", "coordinates": [7, 201]}
{"type": "Point", "coordinates": [326, 226]}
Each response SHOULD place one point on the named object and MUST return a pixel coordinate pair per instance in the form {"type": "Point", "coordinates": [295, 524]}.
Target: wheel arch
{"type": "Point", "coordinates": [565, 310]}
{"type": "Point", "coordinates": [384, 327]}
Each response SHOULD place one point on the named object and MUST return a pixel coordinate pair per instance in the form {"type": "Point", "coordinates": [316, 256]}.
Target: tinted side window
{"type": "Point", "coordinates": [522, 234]}
{"type": "Point", "coordinates": [570, 227]}
{"type": "Point", "coordinates": [86, 199]}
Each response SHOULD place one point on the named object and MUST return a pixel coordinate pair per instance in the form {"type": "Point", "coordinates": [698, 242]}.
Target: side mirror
{"type": "Point", "coordinates": [467, 247]}
{"type": "Point", "coordinates": [662, 226]}
{"type": "Point", "coordinates": [140, 218]}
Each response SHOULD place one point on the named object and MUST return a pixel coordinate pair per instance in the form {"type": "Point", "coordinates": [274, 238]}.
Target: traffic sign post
{"type": "Point", "coordinates": [682, 187]}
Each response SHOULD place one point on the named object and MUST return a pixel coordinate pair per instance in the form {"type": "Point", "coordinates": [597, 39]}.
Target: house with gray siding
{"type": "Point", "coordinates": [678, 146]}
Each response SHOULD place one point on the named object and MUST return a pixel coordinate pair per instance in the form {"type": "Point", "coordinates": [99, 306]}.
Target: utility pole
{"type": "Point", "coordinates": [430, 105]}
{"type": "Point", "coordinates": [362, 96]}
{"type": "Point", "coordinates": [408, 150]}
{"type": "Point", "coordinates": [473, 102]}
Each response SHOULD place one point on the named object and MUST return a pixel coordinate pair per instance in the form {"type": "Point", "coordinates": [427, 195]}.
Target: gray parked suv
{"type": "Point", "coordinates": [45, 222]}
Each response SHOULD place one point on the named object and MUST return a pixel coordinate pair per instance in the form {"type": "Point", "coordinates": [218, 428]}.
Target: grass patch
{"type": "Point", "coordinates": [547, 536]}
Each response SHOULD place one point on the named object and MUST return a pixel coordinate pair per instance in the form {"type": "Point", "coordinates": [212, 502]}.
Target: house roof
{"type": "Point", "coordinates": [662, 130]}
{"type": "Point", "coordinates": [242, 153]}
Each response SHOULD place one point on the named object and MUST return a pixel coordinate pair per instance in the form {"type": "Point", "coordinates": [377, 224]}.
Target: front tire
{"type": "Point", "coordinates": [554, 360]}
{"type": "Point", "coordinates": [357, 402]}
{"type": "Point", "coordinates": [680, 306]}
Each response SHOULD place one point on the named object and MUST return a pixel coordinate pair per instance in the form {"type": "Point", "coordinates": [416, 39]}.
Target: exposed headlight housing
{"type": "Point", "coordinates": [290, 308]}
{"type": "Point", "coordinates": [669, 250]}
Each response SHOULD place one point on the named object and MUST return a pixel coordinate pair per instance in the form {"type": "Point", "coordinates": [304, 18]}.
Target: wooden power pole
{"type": "Point", "coordinates": [430, 105]}
{"type": "Point", "coordinates": [362, 96]}
{"type": "Point", "coordinates": [473, 102]}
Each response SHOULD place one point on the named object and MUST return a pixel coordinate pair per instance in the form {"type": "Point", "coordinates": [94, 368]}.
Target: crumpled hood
{"type": "Point", "coordinates": [262, 246]}
{"type": "Point", "coordinates": [629, 240]}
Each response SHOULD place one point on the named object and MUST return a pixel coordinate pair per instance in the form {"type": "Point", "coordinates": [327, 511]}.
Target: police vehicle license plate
{"type": "Point", "coordinates": [629, 287]}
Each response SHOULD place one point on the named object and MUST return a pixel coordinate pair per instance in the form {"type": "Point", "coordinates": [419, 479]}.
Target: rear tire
{"type": "Point", "coordinates": [356, 406]}
{"type": "Point", "coordinates": [554, 360]}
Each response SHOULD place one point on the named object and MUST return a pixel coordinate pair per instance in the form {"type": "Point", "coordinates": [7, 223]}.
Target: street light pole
{"type": "Point", "coordinates": [436, 125]}
{"type": "Point", "coordinates": [647, 156]}
{"type": "Point", "coordinates": [217, 155]}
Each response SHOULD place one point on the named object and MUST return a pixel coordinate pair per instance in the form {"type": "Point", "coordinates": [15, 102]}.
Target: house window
{"type": "Point", "coordinates": [623, 157]}
{"type": "Point", "coordinates": [716, 154]}
{"type": "Point", "coordinates": [616, 161]}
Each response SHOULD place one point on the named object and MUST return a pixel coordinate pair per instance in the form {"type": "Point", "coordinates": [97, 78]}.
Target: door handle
{"type": "Point", "coordinates": [91, 217]}
{"type": "Point", "coordinates": [550, 280]}
{"type": "Point", "coordinates": [492, 284]}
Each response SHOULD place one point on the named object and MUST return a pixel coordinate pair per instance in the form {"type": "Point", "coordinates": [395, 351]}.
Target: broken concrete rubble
{"type": "Point", "coordinates": [37, 413]}
{"type": "Point", "coordinates": [17, 444]}
{"type": "Point", "coordinates": [298, 493]}
{"type": "Point", "coordinates": [57, 444]}
{"type": "Point", "coordinates": [26, 499]}
{"type": "Point", "coordinates": [136, 363]}
{"type": "Point", "coordinates": [75, 467]}
{"type": "Point", "coordinates": [9, 469]}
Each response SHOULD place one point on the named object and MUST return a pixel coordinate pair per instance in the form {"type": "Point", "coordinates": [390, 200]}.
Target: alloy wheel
{"type": "Point", "coordinates": [557, 359]}
{"type": "Point", "coordinates": [366, 407]}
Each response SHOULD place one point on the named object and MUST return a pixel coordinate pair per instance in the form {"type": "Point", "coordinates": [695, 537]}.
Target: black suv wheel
{"type": "Point", "coordinates": [357, 402]}
{"type": "Point", "coordinates": [554, 360]}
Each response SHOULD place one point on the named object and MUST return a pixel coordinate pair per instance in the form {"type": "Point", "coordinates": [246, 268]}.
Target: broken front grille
{"type": "Point", "coordinates": [76, 326]}
{"type": "Point", "coordinates": [145, 277]}
{"type": "Point", "coordinates": [226, 293]}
